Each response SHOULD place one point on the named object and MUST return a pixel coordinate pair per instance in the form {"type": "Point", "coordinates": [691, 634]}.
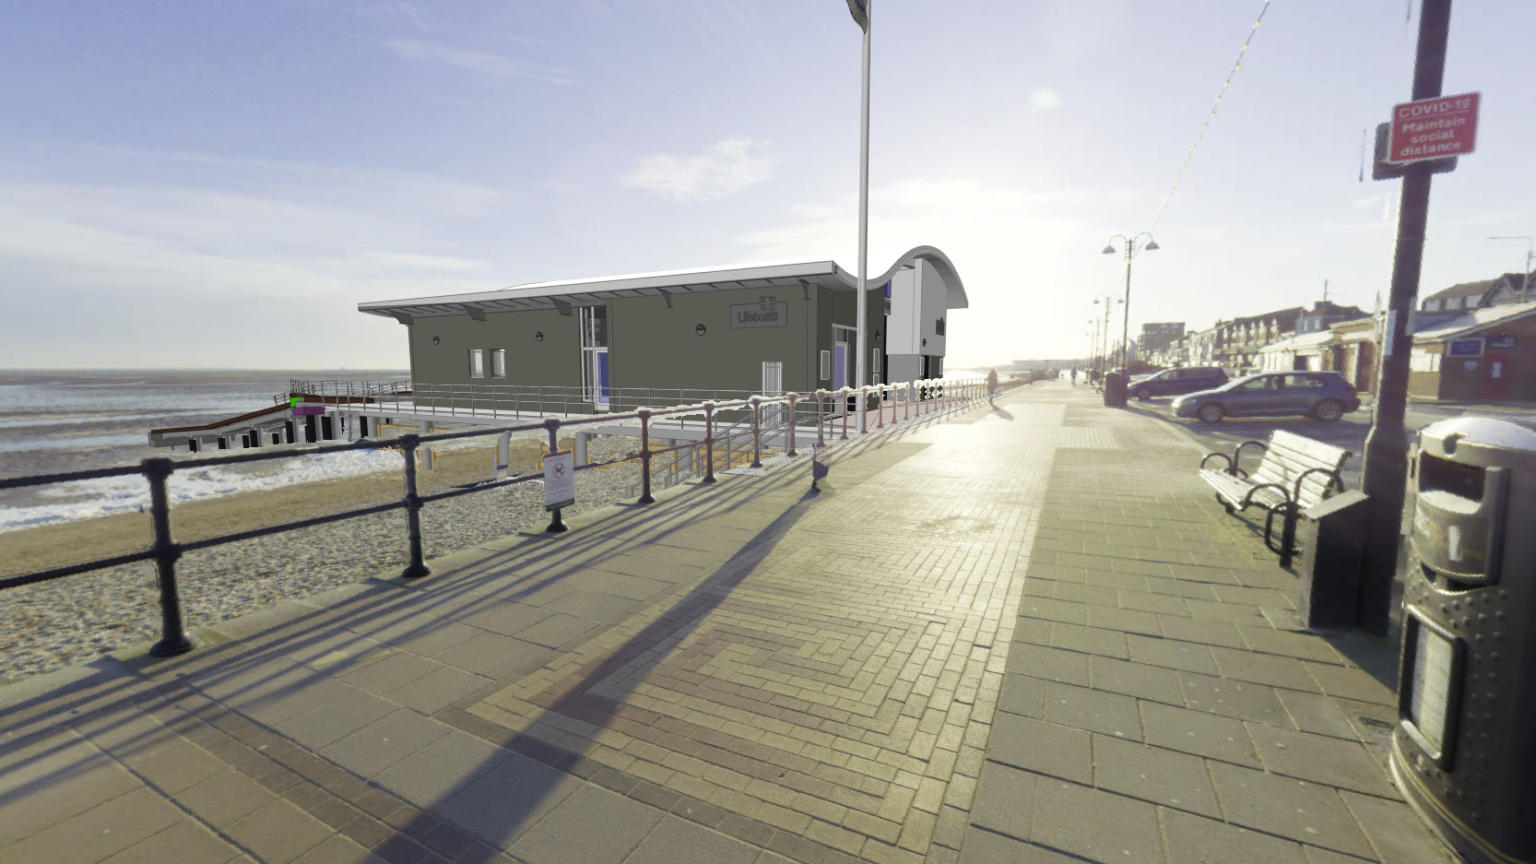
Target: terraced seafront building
{"type": "Point", "coordinates": [611, 343]}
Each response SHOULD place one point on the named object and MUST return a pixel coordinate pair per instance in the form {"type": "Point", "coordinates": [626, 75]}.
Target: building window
{"type": "Point", "coordinates": [938, 327]}
{"type": "Point", "coordinates": [477, 362]}
{"type": "Point", "coordinates": [499, 363]}
{"type": "Point", "coordinates": [825, 367]}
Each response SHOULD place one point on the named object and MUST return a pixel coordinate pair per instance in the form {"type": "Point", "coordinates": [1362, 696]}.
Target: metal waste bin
{"type": "Point", "coordinates": [1114, 390]}
{"type": "Point", "coordinates": [1332, 534]}
{"type": "Point", "coordinates": [1464, 748]}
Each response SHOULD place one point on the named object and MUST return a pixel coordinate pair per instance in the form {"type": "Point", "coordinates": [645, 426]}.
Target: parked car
{"type": "Point", "coordinates": [1323, 395]}
{"type": "Point", "coordinates": [1172, 382]}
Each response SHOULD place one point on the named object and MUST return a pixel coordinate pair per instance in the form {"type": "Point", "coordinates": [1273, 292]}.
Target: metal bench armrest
{"type": "Point", "coordinates": [1237, 454]}
{"type": "Point", "coordinates": [1336, 481]}
{"type": "Point", "coordinates": [1207, 457]}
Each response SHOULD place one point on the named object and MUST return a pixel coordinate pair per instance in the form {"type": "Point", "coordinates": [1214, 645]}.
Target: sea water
{"type": "Point", "coordinates": [57, 421]}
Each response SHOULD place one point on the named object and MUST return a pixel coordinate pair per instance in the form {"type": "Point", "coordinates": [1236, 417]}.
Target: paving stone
{"type": "Point", "coordinates": [1351, 683]}
{"type": "Point", "coordinates": [395, 669]}
{"type": "Point", "coordinates": [225, 798]}
{"type": "Point", "coordinates": [338, 850]}
{"type": "Point", "coordinates": [103, 830]}
{"type": "Point", "coordinates": [1321, 759]}
{"type": "Point", "coordinates": [600, 607]}
{"type": "Point", "coordinates": [1151, 773]}
{"type": "Point", "coordinates": [1052, 664]}
{"type": "Point", "coordinates": [1295, 809]}
{"type": "Point", "coordinates": [1318, 714]}
{"type": "Point", "coordinates": [1045, 748]}
{"type": "Point", "coordinates": [1198, 733]}
{"type": "Point", "coordinates": [1396, 833]}
{"type": "Point", "coordinates": [1263, 669]}
{"type": "Point", "coordinates": [1198, 840]}
{"type": "Point", "coordinates": [675, 841]}
{"type": "Point", "coordinates": [441, 768]}
{"type": "Point", "coordinates": [1110, 643]}
{"type": "Point", "coordinates": [1232, 698]}
{"type": "Point", "coordinates": [184, 841]}
{"type": "Point", "coordinates": [1005, 800]}
{"type": "Point", "coordinates": [1172, 653]}
{"type": "Point", "coordinates": [1302, 646]}
{"type": "Point", "coordinates": [1053, 610]}
{"type": "Point", "coordinates": [335, 719]}
{"type": "Point", "coordinates": [384, 742]}
{"type": "Point", "coordinates": [278, 832]}
{"type": "Point", "coordinates": [1022, 695]}
{"type": "Point", "coordinates": [1094, 710]}
{"type": "Point", "coordinates": [1136, 679]}
{"type": "Point", "coordinates": [64, 777]}
{"type": "Point", "coordinates": [436, 689]}
{"type": "Point", "coordinates": [1147, 601]}
{"type": "Point", "coordinates": [1204, 632]}
{"type": "Point", "coordinates": [567, 835]}
{"type": "Point", "coordinates": [500, 803]}
{"type": "Point", "coordinates": [985, 847]}
{"type": "Point", "coordinates": [1096, 825]}
{"type": "Point", "coordinates": [1127, 620]}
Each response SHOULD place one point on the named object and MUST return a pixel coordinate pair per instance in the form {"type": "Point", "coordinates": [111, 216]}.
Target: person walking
{"type": "Point", "coordinates": [991, 386]}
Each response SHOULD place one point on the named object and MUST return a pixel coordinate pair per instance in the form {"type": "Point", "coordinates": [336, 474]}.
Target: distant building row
{"type": "Point", "coordinates": [1475, 341]}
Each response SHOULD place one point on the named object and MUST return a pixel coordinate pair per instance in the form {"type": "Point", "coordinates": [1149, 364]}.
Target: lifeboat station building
{"type": "Point", "coordinates": [623, 342]}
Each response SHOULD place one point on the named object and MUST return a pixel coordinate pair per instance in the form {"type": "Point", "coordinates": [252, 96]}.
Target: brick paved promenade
{"type": "Point", "coordinates": [1025, 634]}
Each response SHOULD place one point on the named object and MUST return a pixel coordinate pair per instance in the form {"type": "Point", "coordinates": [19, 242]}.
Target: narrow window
{"type": "Point", "coordinates": [499, 363]}
{"type": "Point", "coordinates": [826, 365]}
{"type": "Point", "coordinates": [477, 362]}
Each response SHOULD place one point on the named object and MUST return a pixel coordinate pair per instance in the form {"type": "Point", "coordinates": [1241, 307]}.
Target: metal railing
{"type": "Point", "coordinates": [834, 411]}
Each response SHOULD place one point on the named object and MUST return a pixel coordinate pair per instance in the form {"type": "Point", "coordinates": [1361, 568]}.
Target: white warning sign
{"type": "Point", "coordinates": [559, 480]}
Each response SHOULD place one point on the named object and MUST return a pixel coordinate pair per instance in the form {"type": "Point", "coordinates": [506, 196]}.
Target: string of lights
{"type": "Point", "coordinates": [1206, 126]}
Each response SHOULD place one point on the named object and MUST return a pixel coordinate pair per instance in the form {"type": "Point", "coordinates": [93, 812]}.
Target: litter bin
{"type": "Point", "coordinates": [1464, 748]}
{"type": "Point", "coordinates": [1114, 390]}
{"type": "Point", "coordinates": [1331, 534]}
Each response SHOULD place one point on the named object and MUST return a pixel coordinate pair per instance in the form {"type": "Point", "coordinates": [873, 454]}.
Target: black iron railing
{"type": "Point", "coordinates": [834, 410]}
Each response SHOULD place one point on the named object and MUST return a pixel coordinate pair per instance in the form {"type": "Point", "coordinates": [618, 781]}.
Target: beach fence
{"type": "Point", "coordinates": [735, 438]}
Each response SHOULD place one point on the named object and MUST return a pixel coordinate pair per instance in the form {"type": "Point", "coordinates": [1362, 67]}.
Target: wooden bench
{"type": "Point", "coordinates": [1294, 473]}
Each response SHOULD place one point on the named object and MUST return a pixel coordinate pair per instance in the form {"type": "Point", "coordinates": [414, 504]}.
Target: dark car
{"type": "Point", "coordinates": [1172, 382]}
{"type": "Point", "coordinates": [1323, 395]}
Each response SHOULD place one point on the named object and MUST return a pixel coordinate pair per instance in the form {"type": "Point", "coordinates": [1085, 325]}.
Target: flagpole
{"type": "Point", "coordinates": [861, 305]}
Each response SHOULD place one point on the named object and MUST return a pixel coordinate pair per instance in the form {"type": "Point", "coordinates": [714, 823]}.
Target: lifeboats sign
{"type": "Point", "coordinates": [1433, 128]}
{"type": "Point", "coordinates": [766, 312]}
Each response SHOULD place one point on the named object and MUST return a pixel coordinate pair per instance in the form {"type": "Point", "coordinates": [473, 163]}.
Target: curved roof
{"type": "Point", "coordinates": [580, 292]}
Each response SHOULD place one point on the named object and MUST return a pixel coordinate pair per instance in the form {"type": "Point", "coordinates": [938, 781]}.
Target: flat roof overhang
{"type": "Point", "coordinates": [585, 292]}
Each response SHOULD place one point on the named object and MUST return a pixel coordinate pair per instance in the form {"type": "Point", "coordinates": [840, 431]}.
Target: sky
{"type": "Point", "coordinates": [218, 185]}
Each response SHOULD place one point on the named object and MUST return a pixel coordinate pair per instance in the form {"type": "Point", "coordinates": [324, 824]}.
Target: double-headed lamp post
{"type": "Point", "coordinates": [1101, 345]}
{"type": "Point", "coordinates": [1133, 245]}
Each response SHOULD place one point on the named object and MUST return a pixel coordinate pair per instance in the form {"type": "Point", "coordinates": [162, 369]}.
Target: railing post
{"type": "Point", "coordinates": [863, 413]}
{"type": "Point", "coordinates": [821, 401]}
{"type": "Point", "coordinates": [645, 457]}
{"type": "Point", "coordinates": [173, 638]}
{"type": "Point", "coordinates": [709, 442]}
{"type": "Point", "coordinates": [906, 403]}
{"type": "Point", "coordinates": [417, 568]}
{"type": "Point", "coordinates": [842, 404]}
{"type": "Point", "coordinates": [556, 524]}
{"type": "Point", "coordinates": [791, 397]}
{"type": "Point", "coordinates": [757, 432]}
{"type": "Point", "coordinates": [880, 389]}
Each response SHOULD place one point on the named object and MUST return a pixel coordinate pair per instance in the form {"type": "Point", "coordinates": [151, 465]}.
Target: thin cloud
{"type": "Point", "coordinates": [727, 168]}
{"type": "Point", "coordinates": [480, 62]}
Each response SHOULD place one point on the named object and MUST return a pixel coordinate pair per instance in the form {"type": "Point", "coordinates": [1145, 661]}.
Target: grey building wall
{"type": "Point", "coordinates": [841, 307]}
{"type": "Point", "coordinates": [556, 360]}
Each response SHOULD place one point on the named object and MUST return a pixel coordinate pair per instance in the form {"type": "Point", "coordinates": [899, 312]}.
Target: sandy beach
{"type": "Point", "coordinates": [73, 619]}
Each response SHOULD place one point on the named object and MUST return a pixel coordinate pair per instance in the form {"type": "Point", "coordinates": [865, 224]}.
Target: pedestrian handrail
{"type": "Point", "coordinates": [918, 398]}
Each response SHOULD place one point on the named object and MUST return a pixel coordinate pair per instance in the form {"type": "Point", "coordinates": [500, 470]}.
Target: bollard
{"type": "Point", "coordinates": [173, 638]}
{"type": "Point", "coordinates": [821, 396]}
{"type": "Point", "coordinates": [417, 568]}
{"type": "Point", "coordinates": [556, 523]}
{"type": "Point", "coordinates": [709, 442]}
{"type": "Point", "coordinates": [792, 397]}
{"type": "Point", "coordinates": [757, 437]}
{"type": "Point", "coordinates": [645, 457]}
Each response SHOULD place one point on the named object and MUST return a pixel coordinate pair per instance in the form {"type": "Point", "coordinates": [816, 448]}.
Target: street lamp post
{"type": "Point", "coordinates": [860, 10]}
{"type": "Point", "coordinates": [1131, 249]}
{"type": "Point", "coordinates": [1101, 341]}
{"type": "Point", "coordinates": [1530, 255]}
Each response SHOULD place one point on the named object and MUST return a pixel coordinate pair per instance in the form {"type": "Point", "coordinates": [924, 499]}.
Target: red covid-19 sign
{"type": "Point", "coordinates": [1436, 128]}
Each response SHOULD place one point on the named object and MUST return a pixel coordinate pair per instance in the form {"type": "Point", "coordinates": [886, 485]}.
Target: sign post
{"type": "Point", "coordinates": [559, 486]}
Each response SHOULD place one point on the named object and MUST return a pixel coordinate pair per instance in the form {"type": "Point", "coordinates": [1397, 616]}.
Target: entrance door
{"type": "Point", "coordinates": [773, 385]}
{"type": "Point", "coordinates": [595, 370]}
{"type": "Point", "coordinates": [1496, 379]}
{"type": "Point", "coordinates": [842, 356]}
